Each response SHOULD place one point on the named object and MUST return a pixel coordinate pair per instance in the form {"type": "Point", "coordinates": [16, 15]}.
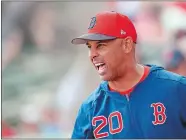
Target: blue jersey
{"type": "Point", "coordinates": [156, 108]}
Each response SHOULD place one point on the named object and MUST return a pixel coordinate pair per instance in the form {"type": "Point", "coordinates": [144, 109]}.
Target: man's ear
{"type": "Point", "coordinates": [127, 44]}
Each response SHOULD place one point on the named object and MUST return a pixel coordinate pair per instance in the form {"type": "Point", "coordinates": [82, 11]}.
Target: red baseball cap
{"type": "Point", "coordinates": [106, 26]}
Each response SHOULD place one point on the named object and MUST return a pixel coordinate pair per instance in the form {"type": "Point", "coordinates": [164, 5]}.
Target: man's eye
{"type": "Point", "coordinates": [100, 45]}
{"type": "Point", "coordinates": [89, 46]}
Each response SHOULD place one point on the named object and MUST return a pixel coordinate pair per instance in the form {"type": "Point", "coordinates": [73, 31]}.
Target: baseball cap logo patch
{"type": "Point", "coordinates": [92, 23]}
{"type": "Point", "coordinates": [123, 32]}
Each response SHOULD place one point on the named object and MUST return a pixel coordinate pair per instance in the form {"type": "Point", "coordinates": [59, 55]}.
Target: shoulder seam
{"type": "Point", "coordinates": [177, 81]}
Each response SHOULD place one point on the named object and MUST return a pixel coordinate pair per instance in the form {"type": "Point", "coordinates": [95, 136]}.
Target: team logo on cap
{"type": "Point", "coordinates": [92, 23]}
{"type": "Point", "coordinates": [122, 32]}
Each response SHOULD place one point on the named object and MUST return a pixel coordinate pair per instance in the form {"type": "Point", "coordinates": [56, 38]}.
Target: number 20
{"type": "Point", "coordinates": [104, 122]}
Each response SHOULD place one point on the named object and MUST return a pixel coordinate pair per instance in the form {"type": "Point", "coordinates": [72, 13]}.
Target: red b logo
{"type": "Point", "coordinates": [159, 113]}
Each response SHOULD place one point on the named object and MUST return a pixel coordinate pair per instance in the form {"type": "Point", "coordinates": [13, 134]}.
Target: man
{"type": "Point", "coordinates": [134, 100]}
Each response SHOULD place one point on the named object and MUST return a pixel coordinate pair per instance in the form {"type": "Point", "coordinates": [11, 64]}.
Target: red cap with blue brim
{"type": "Point", "coordinates": [107, 26]}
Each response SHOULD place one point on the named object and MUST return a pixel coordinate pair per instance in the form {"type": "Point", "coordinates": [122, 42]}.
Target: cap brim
{"type": "Point", "coordinates": [93, 37]}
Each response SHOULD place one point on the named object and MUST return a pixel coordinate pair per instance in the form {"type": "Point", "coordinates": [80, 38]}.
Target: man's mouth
{"type": "Point", "coordinates": [101, 67]}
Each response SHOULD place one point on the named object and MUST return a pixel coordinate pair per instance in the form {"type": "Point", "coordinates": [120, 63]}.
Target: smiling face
{"type": "Point", "coordinates": [110, 57]}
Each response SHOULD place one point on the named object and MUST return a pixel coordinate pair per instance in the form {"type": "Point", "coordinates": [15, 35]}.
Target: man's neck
{"type": "Point", "coordinates": [131, 78]}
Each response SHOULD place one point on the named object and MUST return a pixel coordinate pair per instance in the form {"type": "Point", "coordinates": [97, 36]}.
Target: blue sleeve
{"type": "Point", "coordinates": [182, 97]}
{"type": "Point", "coordinates": [83, 126]}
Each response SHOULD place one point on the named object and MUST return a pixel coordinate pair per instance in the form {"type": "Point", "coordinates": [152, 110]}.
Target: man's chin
{"type": "Point", "coordinates": [104, 77]}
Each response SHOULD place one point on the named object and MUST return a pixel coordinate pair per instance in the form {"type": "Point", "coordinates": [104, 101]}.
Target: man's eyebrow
{"type": "Point", "coordinates": [100, 41]}
{"type": "Point", "coordinates": [87, 44]}
{"type": "Point", "coordinates": [96, 43]}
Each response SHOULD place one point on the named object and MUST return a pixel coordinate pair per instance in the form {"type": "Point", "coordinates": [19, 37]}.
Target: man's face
{"type": "Point", "coordinates": [108, 57]}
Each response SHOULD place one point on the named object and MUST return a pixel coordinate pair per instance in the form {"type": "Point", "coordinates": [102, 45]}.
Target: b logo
{"type": "Point", "coordinates": [159, 113]}
{"type": "Point", "coordinates": [92, 23]}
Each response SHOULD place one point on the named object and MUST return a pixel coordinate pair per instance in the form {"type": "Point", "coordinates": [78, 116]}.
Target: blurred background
{"type": "Point", "coordinates": [45, 78]}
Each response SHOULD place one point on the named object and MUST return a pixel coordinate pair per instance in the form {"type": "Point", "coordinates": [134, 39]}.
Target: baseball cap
{"type": "Point", "coordinates": [108, 25]}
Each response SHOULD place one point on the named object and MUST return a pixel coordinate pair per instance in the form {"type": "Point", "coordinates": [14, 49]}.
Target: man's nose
{"type": "Point", "coordinates": [93, 53]}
